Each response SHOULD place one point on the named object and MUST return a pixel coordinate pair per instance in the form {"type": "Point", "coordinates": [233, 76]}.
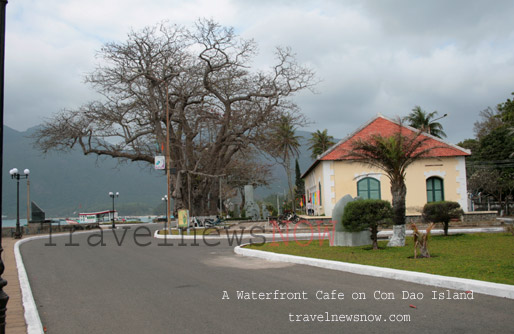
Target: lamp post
{"type": "Point", "coordinates": [17, 176]}
{"type": "Point", "coordinates": [28, 199]}
{"type": "Point", "coordinates": [112, 196]}
{"type": "Point", "coordinates": [165, 198]}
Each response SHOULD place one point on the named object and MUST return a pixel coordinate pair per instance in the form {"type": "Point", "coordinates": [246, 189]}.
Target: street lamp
{"type": "Point", "coordinates": [436, 120]}
{"type": "Point", "coordinates": [15, 175]}
{"type": "Point", "coordinates": [165, 198]}
{"type": "Point", "coordinates": [112, 196]}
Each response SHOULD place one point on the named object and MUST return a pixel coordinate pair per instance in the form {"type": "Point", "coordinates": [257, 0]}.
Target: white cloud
{"type": "Point", "coordinates": [455, 57]}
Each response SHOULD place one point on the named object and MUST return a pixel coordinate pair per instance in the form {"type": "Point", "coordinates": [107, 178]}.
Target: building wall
{"type": "Point", "coordinates": [339, 178]}
{"type": "Point", "coordinates": [312, 181]}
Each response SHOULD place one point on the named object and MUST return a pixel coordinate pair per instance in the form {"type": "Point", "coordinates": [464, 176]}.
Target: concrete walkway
{"type": "Point", "coordinates": [15, 313]}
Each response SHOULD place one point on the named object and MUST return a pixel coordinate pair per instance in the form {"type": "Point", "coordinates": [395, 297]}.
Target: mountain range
{"type": "Point", "coordinates": [64, 184]}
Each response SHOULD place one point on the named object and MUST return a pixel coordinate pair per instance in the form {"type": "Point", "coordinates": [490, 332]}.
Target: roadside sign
{"type": "Point", "coordinates": [160, 162]}
{"type": "Point", "coordinates": [183, 218]}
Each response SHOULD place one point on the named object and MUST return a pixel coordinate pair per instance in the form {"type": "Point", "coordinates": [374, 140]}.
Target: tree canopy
{"type": "Point", "coordinates": [490, 168]}
{"type": "Point", "coordinates": [284, 144]}
{"type": "Point", "coordinates": [425, 122]}
{"type": "Point", "coordinates": [320, 142]}
{"type": "Point", "coordinates": [218, 105]}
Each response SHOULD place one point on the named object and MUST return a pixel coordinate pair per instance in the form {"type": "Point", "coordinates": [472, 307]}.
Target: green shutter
{"type": "Point", "coordinates": [368, 188]}
{"type": "Point", "coordinates": [435, 190]}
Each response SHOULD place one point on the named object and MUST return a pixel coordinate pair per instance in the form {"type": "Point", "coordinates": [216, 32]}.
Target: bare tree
{"type": "Point", "coordinates": [490, 120]}
{"type": "Point", "coordinates": [218, 106]}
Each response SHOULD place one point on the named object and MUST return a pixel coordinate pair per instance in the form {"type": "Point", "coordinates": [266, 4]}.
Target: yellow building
{"type": "Point", "coordinates": [441, 175]}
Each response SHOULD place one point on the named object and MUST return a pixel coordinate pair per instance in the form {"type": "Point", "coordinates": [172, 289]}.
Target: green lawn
{"type": "Point", "coordinates": [486, 257]}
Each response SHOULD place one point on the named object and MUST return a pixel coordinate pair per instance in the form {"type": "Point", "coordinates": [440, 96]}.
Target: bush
{"type": "Point", "coordinates": [365, 214]}
{"type": "Point", "coordinates": [442, 212]}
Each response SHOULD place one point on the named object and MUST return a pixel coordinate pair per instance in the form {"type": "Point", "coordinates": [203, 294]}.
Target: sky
{"type": "Point", "coordinates": [455, 57]}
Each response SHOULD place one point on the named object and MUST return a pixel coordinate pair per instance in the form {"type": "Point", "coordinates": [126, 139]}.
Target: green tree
{"type": "Point", "coordinates": [320, 142]}
{"type": "Point", "coordinates": [393, 155]}
{"type": "Point", "coordinates": [442, 212]}
{"type": "Point", "coordinates": [424, 121]}
{"type": "Point", "coordinates": [365, 214]}
{"type": "Point", "coordinates": [284, 145]}
{"type": "Point", "coordinates": [490, 168]}
{"type": "Point", "coordinates": [506, 112]}
{"type": "Point", "coordinates": [470, 144]}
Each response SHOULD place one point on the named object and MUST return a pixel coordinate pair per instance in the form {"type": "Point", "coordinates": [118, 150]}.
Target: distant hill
{"type": "Point", "coordinates": [64, 184]}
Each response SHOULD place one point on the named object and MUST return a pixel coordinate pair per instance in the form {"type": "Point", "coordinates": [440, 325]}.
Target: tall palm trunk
{"type": "Point", "coordinates": [399, 192]}
{"type": "Point", "coordinates": [289, 181]}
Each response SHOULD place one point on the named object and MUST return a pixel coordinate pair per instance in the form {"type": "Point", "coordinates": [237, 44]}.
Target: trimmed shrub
{"type": "Point", "coordinates": [365, 214]}
{"type": "Point", "coordinates": [442, 212]}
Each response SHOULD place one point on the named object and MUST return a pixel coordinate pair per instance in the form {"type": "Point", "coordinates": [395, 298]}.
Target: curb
{"type": "Point", "coordinates": [315, 235]}
{"type": "Point", "coordinates": [461, 284]}
{"type": "Point", "coordinates": [32, 319]}
{"type": "Point", "coordinates": [234, 236]}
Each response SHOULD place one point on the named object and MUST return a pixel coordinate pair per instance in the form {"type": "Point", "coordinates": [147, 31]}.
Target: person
{"type": "Point", "coordinates": [310, 211]}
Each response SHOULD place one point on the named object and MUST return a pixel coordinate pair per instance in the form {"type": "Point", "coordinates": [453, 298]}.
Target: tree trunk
{"type": "Point", "coordinates": [445, 227]}
{"type": "Point", "coordinates": [423, 250]}
{"type": "Point", "coordinates": [374, 236]}
{"type": "Point", "coordinates": [398, 191]}
{"type": "Point", "coordinates": [289, 182]}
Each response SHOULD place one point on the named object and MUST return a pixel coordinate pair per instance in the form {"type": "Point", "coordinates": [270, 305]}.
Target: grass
{"type": "Point", "coordinates": [482, 256]}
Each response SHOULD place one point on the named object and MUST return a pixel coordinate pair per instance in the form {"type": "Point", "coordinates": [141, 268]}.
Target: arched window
{"type": "Point", "coordinates": [435, 189]}
{"type": "Point", "coordinates": [368, 188]}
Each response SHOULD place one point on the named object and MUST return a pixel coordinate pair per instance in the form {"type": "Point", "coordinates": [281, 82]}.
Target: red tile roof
{"type": "Point", "coordinates": [386, 127]}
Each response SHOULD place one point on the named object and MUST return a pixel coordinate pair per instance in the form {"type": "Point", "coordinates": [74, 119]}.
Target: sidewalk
{"type": "Point", "coordinates": [15, 313]}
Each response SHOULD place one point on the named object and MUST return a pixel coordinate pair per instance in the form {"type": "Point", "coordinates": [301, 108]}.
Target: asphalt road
{"type": "Point", "coordinates": [137, 284]}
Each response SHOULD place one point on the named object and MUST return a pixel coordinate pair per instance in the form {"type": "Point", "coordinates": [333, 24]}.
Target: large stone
{"type": "Point", "coordinates": [398, 237]}
{"type": "Point", "coordinates": [249, 193]}
{"type": "Point", "coordinates": [337, 212]}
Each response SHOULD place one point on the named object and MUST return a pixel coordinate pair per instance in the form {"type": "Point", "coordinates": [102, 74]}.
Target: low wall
{"type": "Point", "coordinates": [38, 228]}
{"type": "Point", "coordinates": [475, 218]}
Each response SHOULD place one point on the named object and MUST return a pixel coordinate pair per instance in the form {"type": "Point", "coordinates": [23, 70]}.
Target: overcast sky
{"type": "Point", "coordinates": [456, 57]}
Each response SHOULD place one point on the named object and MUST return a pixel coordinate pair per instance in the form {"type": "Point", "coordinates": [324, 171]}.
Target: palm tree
{"type": "Point", "coordinates": [425, 122]}
{"type": "Point", "coordinates": [320, 142]}
{"type": "Point", "coordinates": [393, 155]}
{"type": "Point", "coordinates": [286, 145]}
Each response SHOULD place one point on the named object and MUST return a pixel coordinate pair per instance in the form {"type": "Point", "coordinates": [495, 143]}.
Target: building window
{"type": "Point", "coordinates": [368, 188]}
{"type": "Point", "coordinates": [435, 189]}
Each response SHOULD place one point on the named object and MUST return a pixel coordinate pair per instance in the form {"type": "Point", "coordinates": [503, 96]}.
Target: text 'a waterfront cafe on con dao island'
{"type": "Point", "coordinates": [98, 217]}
